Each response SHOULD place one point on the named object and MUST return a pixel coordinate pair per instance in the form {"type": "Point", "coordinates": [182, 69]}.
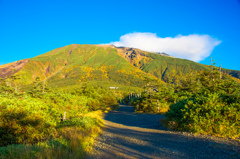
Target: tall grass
{"type": "Point", "coordinates": [30, 125]}
{"type": "Point", "coordinates": [74, 141]}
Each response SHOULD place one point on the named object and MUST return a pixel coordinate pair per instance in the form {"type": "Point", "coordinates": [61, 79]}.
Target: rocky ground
{"type": "Point", "coordinates": [132, 136]}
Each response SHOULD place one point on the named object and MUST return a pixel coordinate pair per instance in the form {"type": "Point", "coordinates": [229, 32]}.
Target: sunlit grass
{"type": "Point", "coordinates": [73, 142]}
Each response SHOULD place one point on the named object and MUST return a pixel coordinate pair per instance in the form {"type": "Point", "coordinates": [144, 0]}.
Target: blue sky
{"type": "Point", "coordinates": [32, 27]}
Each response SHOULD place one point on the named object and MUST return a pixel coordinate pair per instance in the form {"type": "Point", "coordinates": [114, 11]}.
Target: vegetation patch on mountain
{"type": "Point", "coordinates": [73, 64]}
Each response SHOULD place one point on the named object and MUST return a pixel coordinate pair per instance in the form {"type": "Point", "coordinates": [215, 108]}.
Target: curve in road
{"type": "Point", "coordinates": [133, 135]}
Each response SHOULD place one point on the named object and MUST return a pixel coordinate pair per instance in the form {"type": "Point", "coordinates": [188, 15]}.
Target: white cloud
{"type": "Point", "coordinates": [193, 47]}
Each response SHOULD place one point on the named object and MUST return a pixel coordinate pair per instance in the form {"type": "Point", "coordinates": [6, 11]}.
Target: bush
{"type": "Point", "coordinates": [25, 121]}
{"type": "Point", "coordinates": [98, 98]}
{"type": "Point", "coordinates": [93, 104]}
{"type": "Point", "coordinates": [148, 102]}
{"type": "Point", "coordinates": [83, 122]}
{"type": "Point", "coordinates": [74, 105]}
{"type": "Point", "coordinates": [207, 114]}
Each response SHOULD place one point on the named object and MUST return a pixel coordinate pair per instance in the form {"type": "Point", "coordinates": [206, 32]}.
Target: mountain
{"type": "Point", "coordinates": [160, 65]}
{"type": "Point", "coordinates": [76, 63]}
{"type": "Point", "coordinates": [73, 64]}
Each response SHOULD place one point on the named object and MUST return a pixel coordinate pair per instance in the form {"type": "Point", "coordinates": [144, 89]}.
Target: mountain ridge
{"type": "Point", "coordinates": [123, 65]}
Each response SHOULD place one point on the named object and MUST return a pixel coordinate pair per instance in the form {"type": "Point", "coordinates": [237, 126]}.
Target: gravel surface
{"type": "Point", "coordinates": [133, 135]}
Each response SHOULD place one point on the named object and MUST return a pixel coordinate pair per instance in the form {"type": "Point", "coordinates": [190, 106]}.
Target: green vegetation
{"type": "Point", "coordinates": [233, 73]}
{"type": "Point", "coordinates": [73, 64]}
{"type": "Point", "coordinates": [77, 64]}
{"type": "Point", "coordinates": [207, 104]}
{"type": "Point", "coordinates": [73, 83]}
{"type": "Point", "coordinates": [150, 99]}
{"type": "Point", "coordinates": [32, 123]}
{"type": "Point", "coordinates": [168, 68]}
{"type": "Point", "coordinates": [202, 102]}
{"type": "Point", "coordinates": [211, 114]}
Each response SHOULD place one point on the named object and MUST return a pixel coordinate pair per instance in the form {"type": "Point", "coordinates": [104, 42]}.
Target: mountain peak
{"type": "Point", "coordinates": [125, 65]}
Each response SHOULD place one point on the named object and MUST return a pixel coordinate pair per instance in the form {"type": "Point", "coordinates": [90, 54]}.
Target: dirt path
{"type": "Point", "coordinates": [130, 135]}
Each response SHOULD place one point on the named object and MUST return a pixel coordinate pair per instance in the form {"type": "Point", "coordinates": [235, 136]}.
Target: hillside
{"type": "Point", "coordinates": [12, 68]}
{"type": "Point", "coordinates": [161, 66]}
{"type": "Point", "coordinates": [73, 64]}
{"type": "Point", "coordinates": [76, 63]}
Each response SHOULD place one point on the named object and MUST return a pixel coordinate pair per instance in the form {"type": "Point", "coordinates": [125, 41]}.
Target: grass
{"type": "Point", "coordinates": [73, 142]}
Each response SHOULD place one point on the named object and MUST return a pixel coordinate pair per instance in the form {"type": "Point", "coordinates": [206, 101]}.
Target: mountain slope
{"type": "Point", "coordinates": [12, 68]}
{"type": "Point", "coordinates": [75, 63]}
{"type": "Point", "coordinates": [160, 65]}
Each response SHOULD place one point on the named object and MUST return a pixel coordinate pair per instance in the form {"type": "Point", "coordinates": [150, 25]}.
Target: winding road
{"type": "Point", "coordinates": [133, 135]}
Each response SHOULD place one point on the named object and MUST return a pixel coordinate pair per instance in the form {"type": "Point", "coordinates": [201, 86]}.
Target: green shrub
{"type": "Point", "coordinates": [148, 101]}
{"type": "Point", "coordinates": [98, 98]}
{"type": "Point", "coordinates": [83, 122]}
{"type": "Point", "coordinates": [74, 105]}
{"type": "Point", "coordinates": [93, 104]}
{"type": "Point", "coordinates": [25, 121]}
{"type": "Point", "coordinates": [207, 114]}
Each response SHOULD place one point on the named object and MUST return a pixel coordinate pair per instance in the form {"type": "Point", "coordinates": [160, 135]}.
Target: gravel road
{"type": "Point", "coordinates": [140, 136]}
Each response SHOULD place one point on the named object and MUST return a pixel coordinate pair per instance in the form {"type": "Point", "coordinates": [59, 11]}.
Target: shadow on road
{"type": "Point", "coordinates": [125, 115]}
{"type": "Point", "coordinates": [141, 136]}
